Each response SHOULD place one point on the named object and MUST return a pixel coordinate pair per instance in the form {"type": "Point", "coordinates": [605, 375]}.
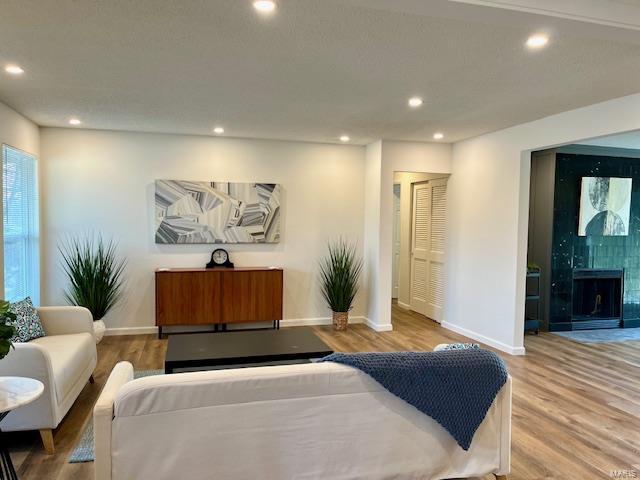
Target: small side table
{"type": "Point", "coordinates": [14, 392]}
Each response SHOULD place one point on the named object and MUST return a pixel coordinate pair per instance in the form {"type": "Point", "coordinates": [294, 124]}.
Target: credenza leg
{"type": "Point", "coordinates": [159, 333]}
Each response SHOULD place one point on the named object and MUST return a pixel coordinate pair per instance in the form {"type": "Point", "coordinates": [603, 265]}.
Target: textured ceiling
{"type": "Point", "coordinates": [313, 71]}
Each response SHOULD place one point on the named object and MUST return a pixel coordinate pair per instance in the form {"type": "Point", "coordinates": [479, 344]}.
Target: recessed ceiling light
{"type": "Point", "coordinates": [74, 121]}
{"type": "Point", "coordinates": [345, 138]}
{"type": "Point", "coordinates": [264, 6]}
{"type": "Point", "coordinates": [537, 41]}
{"type": "Point", "coordinates": [14, 69]}
{"type": "Point", "coordinates": [438, 136]}
{"type": "Point", "coordinates": [218, 130]}
{"type": "Point", "coordinates": [415, 102]}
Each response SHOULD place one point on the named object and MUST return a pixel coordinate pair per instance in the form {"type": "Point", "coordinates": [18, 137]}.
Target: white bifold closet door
{"type": "Point", "coordinates": [428, 247]}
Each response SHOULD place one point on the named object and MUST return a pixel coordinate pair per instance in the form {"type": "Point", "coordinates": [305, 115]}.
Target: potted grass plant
{"type": "Point", "coordinates": [96, 276]}
{"type": "Point", "coordinates": [339, 274]}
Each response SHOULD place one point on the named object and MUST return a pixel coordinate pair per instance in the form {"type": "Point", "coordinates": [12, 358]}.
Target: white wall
{"type": "Point", "coordinates": [371, 272]}
{"type": "Point", "coordinates": [103, 181]}
{"type": "Point", "coordinates": [386, 158]}
{"type": "Point", "coordinates": [488, 206]}
{"type": "Point", "coordinates": [18, 132]}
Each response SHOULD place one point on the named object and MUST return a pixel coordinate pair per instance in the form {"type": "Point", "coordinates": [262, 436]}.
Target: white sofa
{"type": "Point", "coordinates": [312, 421]}
{"type": "Point", "coordinates": [63, 360]}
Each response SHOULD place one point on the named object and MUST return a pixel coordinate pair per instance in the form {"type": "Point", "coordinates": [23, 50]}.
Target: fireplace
{"type": "Point", "coordinates": [597, 298]}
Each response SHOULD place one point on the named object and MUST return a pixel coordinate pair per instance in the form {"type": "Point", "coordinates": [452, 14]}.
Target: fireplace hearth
{"type": "Point", "coordinates": [597, 298]}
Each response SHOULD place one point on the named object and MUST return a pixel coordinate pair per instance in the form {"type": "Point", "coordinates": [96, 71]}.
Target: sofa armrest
{"type": "Point", "coordinates": [103, 416]}
{"type": "Point", "coordinates": [66, 320]}
{"type": "Point", "coordinates": [32, 361]}
{"type": "Point", "coordinates": [504, 397]}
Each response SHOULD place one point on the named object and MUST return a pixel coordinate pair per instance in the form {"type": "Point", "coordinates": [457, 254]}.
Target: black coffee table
{"type": "Point", "coordinates": [210, 351]}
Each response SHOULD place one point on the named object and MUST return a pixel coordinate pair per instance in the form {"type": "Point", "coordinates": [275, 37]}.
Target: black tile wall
{"type": "Point", "coordinates": [570, 251]}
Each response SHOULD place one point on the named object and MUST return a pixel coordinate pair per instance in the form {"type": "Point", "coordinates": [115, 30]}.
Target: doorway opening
{"type": "Point", "coordinates": [419, 244]}
{"type": "Point", "coordinates": [583, 264]}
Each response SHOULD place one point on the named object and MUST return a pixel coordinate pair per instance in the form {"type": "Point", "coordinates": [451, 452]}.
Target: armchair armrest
{"type": "Point", "coordinates": [32, 361]}
{"type": "Point", "coordinates": [66, 320]}
{"type": "Point", "coordinates": [103, 417]}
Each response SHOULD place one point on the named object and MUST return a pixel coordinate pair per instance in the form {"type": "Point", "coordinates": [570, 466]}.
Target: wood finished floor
{"type": "Point", "coordinates": [576, 408]}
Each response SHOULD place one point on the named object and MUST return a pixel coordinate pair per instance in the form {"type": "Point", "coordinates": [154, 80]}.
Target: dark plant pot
{"type": "Point", "coordinates": [340, 321]}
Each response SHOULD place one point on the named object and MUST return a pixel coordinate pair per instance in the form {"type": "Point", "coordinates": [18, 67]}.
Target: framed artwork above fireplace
{"type": "Point", "coordinates": [605, 203]}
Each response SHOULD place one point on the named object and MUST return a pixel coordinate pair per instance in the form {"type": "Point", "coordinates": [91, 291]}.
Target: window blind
{"type": "Point", "coordinates": [21, 225]}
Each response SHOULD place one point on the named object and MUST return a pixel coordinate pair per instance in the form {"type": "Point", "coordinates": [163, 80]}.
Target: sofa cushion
{"type": "Point", "coordinates": [70, 355]}
{"type": "Point", "coordinates": [27, 323]}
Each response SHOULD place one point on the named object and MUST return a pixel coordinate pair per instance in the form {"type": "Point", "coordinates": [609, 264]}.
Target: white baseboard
{"type": "Point", "coordinates": [486, 340]}
{"type": "Point", "coordinates": [290, 322]}
{"type": "Point", "coordinates": [385, 327]}
{"type": "Point", "coordinates": [327, 321]}
{"type": "Point", "coordinates": [131, 331]}
{"type": "Point", "coordinates": [297, 322]}
{"type": "Point", "coordinates": [404, 305]}
{"type": "Point", "coordinates": [307, 322]}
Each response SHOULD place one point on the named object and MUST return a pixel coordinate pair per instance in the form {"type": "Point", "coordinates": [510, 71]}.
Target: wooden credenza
{"type": "Point", "coordinates": [200, 296]}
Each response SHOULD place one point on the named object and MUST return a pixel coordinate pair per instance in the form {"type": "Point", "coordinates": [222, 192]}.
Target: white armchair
{"type": "Point", "coordinates": [63, 360]}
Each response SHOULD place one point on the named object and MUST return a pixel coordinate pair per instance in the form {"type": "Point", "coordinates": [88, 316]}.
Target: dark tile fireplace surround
{"type": "Point", "coordinates": [593, 281]}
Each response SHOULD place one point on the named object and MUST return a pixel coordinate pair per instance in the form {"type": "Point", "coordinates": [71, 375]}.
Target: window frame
{"type": "Point", "coordinates": [31, 236]}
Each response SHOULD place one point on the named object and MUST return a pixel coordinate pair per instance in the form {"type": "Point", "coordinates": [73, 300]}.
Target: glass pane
{"type": "Point", "coordinates": [21, 225]}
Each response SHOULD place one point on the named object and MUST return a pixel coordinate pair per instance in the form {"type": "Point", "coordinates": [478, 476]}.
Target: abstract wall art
{"type": "Point", "coordinates": [216, 212]}
{"type": "Point", "coordinates": [605, 203]}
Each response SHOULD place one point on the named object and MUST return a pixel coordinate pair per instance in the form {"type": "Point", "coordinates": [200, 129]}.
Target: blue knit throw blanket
{"type": "Point", "coordinates": [454, 387]}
